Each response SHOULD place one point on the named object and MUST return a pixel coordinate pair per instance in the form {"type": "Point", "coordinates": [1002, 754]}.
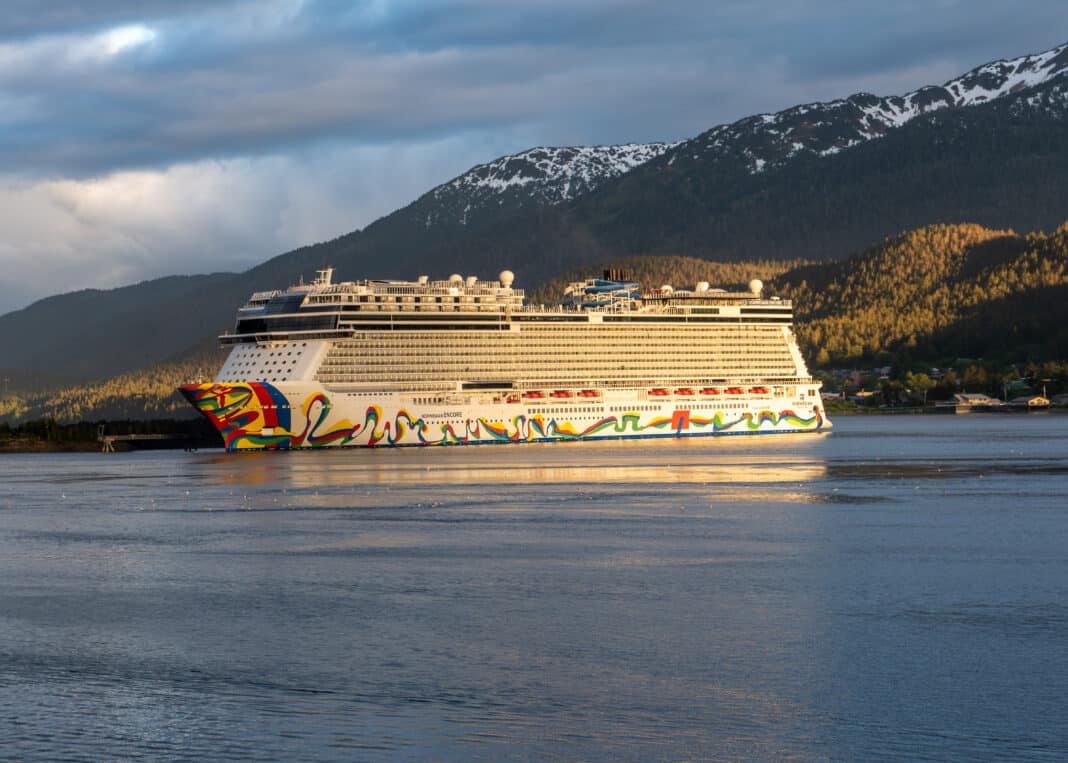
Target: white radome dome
{"type": "Point", "coordinates": [756, 286]}
{"type": "Point", "coordinates": [506, 277]}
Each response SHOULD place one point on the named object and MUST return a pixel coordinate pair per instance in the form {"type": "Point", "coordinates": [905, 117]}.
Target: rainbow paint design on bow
{"type": "Point", "coordinates": [256, 415]}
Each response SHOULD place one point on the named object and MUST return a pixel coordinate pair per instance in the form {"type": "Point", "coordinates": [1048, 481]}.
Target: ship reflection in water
{"type": "Point", "coordinates": [732, 466]}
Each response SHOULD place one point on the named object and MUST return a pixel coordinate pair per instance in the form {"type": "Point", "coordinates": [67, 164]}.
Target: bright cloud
{"type": "Point", "coordinates": [115, 41]}
{"type": "Point", "coordinates": [205, 216]}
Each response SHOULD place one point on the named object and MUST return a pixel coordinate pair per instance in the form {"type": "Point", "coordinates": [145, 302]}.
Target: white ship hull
{"type": "Point", "coordinates": [287, 416]}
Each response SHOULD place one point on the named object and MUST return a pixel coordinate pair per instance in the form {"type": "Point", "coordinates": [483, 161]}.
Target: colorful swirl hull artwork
{"type": "Point", "coordinates": [258, 416]}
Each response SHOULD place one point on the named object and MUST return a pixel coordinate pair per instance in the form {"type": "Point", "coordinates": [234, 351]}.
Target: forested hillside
{"type": "Point", "coordinates": [149, 393]}
{"type": "Point", "coordinates": [935, 294]}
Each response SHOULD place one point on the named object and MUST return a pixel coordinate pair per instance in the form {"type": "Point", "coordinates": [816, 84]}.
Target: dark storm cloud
{"type": "Point", "coordinates": [241, 78]}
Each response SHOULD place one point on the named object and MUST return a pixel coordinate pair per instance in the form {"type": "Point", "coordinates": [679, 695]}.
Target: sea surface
{"type": "Point", "coordinates": [896, 590]}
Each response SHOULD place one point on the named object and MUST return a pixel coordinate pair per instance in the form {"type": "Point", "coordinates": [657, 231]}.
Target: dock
{"type": "Point", "coordinates": [107, 441]}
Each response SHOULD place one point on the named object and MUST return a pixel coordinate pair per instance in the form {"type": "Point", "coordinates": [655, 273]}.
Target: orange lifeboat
{"type": "Point", "coordinates": [589, 393]}
{"type": "Point", "coordinates": [735, 391]}
{"type": "Point", "coordinates": [534, 395]}
{"type": "Point", "coordinates": [560, 393]}
{"type": "Point", "coordinates": [759, 390]}
{"type": "Point", "coordinates": [659, 392]}
{"type": "Point", "coordinates": [709, 391]}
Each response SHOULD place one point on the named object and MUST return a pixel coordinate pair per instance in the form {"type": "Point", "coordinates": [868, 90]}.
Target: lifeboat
{"type": "Point", "coordinates": [512, 399]}
{"type": "Point", "coordinates": [589, 393]}
{"type": "Point", "coordinates": [560, 393]}
{"type": "Point", "coordinates": [659, 392]}
{"type": "Point", "coordinates": [759, 390]}
{"type": "Point", "coordinates": [684, 392]}
{"type": "Point", "coordinates": [709, 391]}
{"type": "Point", "coordinates": [534, 395]}
{"type": "Point", "coordinates": [735, 391]}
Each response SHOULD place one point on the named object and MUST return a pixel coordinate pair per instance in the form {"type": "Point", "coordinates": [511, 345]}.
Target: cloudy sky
{"type": "Point", "coordinates": [141, 138]}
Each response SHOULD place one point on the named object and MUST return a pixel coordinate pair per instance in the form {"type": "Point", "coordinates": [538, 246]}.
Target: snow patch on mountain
{"type": "Point", "coordinates": [543, 175]}
{"type": "Point", "coordinates": [822, 129]}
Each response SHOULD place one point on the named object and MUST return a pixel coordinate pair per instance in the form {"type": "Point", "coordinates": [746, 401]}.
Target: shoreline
{"type": "Point", "coordinates": [27, 445]}
{"type": "Point", "coordinates": [912, 411]}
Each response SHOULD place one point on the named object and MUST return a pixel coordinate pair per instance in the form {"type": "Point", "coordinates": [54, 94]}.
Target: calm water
{"type": "Point", "coordinates": [897, 590]}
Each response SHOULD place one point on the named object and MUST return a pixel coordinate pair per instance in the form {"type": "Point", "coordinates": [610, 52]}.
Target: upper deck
{"type": "Point", "coordinates": [324, 309]}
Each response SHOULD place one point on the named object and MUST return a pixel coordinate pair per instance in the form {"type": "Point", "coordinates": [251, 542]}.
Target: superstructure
{"type": "Point", "coordinates": [464, 360]}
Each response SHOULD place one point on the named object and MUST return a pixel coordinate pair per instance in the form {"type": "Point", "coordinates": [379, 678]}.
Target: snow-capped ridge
{"type": "Point", "coordinates": [555, 175]}
{"type": "Point", "coordinates": [546, 175]}
{"type": "Point", "coordinates": [825, 128]}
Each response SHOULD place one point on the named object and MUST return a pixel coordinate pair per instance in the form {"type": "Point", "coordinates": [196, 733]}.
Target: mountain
{"type": "Point", "coordinates": [819, 181]}
{"type": "Point", "coordinates": [547, 176]}
{"type": "Point", "coordinates": [538, 176]}
{"type": "Point", "coordinates": [74, 336]}
{"type": "Point", "coordinates": [766, 141]}
{"type": "Point", "coordinates": [824, 180]}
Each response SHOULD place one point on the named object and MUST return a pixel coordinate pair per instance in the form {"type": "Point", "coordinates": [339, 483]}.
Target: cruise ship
{"type": "Point", "coordinates": [465, 361]}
